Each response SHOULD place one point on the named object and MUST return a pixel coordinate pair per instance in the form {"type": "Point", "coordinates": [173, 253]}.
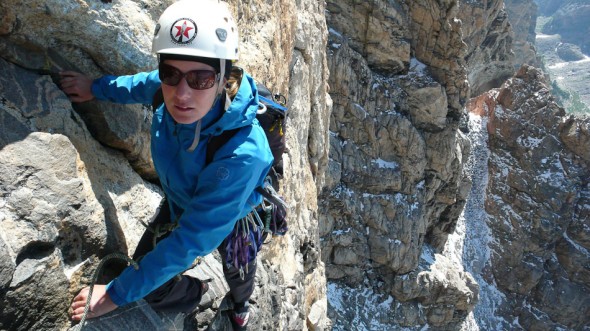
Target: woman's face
{"type": "Point", "coordinates": [185, 104]}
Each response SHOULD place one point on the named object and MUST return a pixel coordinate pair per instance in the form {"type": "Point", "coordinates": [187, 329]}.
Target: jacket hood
{"type": "Point", "coordinates": [242, 109]}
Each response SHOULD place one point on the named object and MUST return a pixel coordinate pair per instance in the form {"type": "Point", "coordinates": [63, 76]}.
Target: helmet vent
{"type": "Point", "coordinates": [221, 34]}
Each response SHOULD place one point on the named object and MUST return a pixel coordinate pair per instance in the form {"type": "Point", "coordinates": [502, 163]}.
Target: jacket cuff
{"type": "Point", "coordinates": [112, 290]}
{"type": "Point", "coordinates": [95, 89]}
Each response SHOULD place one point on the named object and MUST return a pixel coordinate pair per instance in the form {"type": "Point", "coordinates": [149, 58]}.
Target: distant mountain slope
{"type": "Point", "coordinates": [563, 42]}
{"type": "Point", "coordinates": [572, 21]}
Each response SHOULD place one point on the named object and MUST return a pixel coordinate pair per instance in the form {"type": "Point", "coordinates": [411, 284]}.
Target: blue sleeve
{"type": "Point", "coordinates": [138, 88]}
{"type": "Point", "coordinates": [221, 197]}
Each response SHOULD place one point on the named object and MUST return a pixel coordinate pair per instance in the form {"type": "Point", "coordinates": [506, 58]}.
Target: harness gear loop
{"type": "Point", "coordinates": [161, 229]}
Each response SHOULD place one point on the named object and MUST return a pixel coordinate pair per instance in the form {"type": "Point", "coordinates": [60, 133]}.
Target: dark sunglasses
{"type": "Point", "coordinates": [196, 79]}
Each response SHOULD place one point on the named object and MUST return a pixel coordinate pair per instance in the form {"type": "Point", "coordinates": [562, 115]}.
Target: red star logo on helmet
{"type": "Point", "coordinates": [183, 31]}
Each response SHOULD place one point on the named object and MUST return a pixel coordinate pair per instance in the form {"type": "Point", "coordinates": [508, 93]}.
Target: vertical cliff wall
{"type": "Point", "coordinates": [522, 213]}
{"type": "Point", "coordinates": [537, 207]}
{"type": "Point", "coordinates": [522, 15]}
{"type": "Point", "coordinates": [488, 36]}
{"type": "Point", "coordinates": [399, 176]}
{"type": "Point", "coordinates": [394, 186]}
{"type": "Point", "coordinates": [532, 266]}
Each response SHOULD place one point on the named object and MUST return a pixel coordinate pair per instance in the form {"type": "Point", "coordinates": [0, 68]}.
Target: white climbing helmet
{"type": "Point", "coordinates": [202, 28]}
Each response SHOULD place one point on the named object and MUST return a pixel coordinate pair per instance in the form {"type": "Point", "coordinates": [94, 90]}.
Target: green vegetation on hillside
{"type": "Point", "coordinates": [561, 57]}
{"type": "Point", "coordinates": [570, 100]}
{"type": "Point", "coordinates": [577, 106]}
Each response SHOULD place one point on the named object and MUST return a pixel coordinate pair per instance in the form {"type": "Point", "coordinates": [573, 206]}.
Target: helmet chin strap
{"type": "Point", "coordinates": [217, 96]}
{"type": "Point", "coordinates": [221, 71]}
{"type": "Point", "coordinates": [222, 63]}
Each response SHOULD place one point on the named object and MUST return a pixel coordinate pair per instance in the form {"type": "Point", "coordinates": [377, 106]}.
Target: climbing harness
{"type": "Point", "coordinates": [160, 230]}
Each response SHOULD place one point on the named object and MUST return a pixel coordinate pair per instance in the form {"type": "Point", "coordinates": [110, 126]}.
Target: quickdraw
{"type": "Point", "coordinates": [244, 242]}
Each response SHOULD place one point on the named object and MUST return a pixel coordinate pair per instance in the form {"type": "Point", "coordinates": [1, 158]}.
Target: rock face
{"type": "Point", "coordinates": [537, 202]}
{"type": "Point", "coordinates": [84, 36]}
{"type": "Point", "coordinates": [76, 180]}
{"type": "Point", "coordinates": [488, 36]}
{"type": "Point", "coordinates": [64, 199]}
{"type": "Point", "coordinates": [394, 186]}
{"type": "Point", "coordinates": [522, 15]}
{"type": "Point", "coordinates": [380, 235]}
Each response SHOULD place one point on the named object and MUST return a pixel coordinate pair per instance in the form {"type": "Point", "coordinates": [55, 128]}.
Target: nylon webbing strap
{"type": "Point", "coordinates": [157, 100]}
{"type": "Point", "coordinates": [215, 142]}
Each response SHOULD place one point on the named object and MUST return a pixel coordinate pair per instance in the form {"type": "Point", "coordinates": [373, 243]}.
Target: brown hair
{"type": "Point", "coordinates": [233, 83]}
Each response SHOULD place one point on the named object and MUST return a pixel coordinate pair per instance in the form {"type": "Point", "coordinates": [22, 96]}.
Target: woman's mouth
{"type": "Point", "coordinates": [182, 108]}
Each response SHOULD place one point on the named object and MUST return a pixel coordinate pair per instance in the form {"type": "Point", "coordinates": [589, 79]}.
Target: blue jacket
{"type": "Point", "coordinates": [207, 199]}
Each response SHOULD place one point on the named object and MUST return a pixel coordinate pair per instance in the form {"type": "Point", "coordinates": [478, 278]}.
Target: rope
{"type": "Point", "coordinates": [158, 231]}
{"type": "Point", "coordinates": [95, 278]}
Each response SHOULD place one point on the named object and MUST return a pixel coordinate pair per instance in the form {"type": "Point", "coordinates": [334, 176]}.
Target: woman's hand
{"type": "Point", "coordinates": [77, 86]}
{"type": "Point", "coordinates": [100, 303]}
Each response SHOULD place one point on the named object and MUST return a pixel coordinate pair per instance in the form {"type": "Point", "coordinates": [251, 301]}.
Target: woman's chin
{"type": "Point", "coordinates": [184, 118]}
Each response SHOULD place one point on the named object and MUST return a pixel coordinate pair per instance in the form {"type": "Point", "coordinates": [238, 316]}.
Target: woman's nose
{"type": "Point", "coordinates": [183, 91]}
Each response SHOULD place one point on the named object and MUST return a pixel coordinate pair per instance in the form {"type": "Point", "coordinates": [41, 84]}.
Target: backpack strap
{"type": "Point", "coordinates": [213, 145]}
{"type": "Point", "coordinates": [157, 100]}
{"type": "Point", "coordinates": [215, 142]}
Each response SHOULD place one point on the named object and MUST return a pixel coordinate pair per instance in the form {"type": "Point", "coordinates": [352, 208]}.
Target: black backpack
{"type": "Point", "coordinates": [272, 115]}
